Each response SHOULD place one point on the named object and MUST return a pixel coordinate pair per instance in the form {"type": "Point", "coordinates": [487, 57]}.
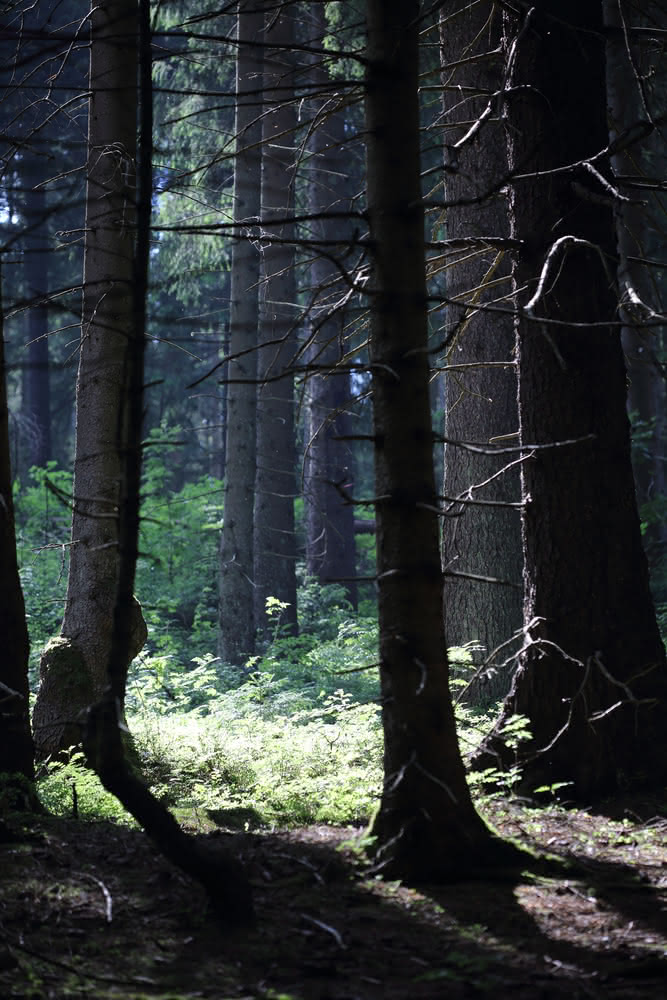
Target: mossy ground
{"type": "Point", "coordinates": [92, 910]}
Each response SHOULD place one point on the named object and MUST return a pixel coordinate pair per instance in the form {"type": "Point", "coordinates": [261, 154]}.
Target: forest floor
{"type": "Point", "coordinates": [92, 910]}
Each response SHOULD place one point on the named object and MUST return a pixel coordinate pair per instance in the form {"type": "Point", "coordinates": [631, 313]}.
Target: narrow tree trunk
{"type": "Point", "coordinates": [73, 668]}
{"type": "Point", "coordinates": [16, 747]}
{"type": "Point", "coordinates": [275, 485]}
{"type": "Point", "coordinates": [328, 463]}
{"type": "Point", "coordinates": [37, 405]}
{"type": "Point", "coordinates": [592, 677]}
{"type": "Point", "coordinates": [480, 401]}
{"type": "Point", "coordinates": [426, 825]}
{"type": "Point", "coordinates": [237, 619]}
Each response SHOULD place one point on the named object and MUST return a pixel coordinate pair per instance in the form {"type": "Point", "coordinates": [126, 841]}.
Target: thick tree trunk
{"type": "Point", "coordinates": [426, 825]}
{"type": "Point", "coordinates": [16, 747]}
{"type": "Point", "coordinates": [101, 382]}
{"type": "Point", "coordinates": [275, 485]}
{"type": "Point", "coordinates": [592, 676]}
{"type": "Point", "coordinates": [237, 620]}
{"type": "Point", "coordinates": [328, 463]}
{"type": "Point", "coordinates": [481, 401]}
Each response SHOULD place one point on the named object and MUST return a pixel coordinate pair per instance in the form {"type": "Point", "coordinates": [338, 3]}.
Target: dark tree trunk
{"type": "Point", "coordinates": [275, 485]}
{"type": "Point", "coordinates": [37, 405]}
{"type": "Point", "coordinates": [16, 748]}
{"type": "Point", "coordinates": [219, 873]}
{"type": "Point", "coordinates": [237, 619]}
{"type": "Point", "coordinates": [328, 463]}
{"type": "Point", "coordinates": [426, 825]}
{"type": "Point", "coordinates": [481, 402]}
{"type": "Point", "coordinates": [73, 667]}
{"type": "Point", "coordinates": [592, 676]}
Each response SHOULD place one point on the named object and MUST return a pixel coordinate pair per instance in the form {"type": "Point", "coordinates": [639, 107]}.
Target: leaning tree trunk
{"type": "Point", "coordinates": [481, 537]}
{"type": "Point", "coordinates": [16, 747]}
{"type": "Point", "coordinates": [237, 620]}
{"type": "Point", "coordinates": [275, 484]}
{"type": "Point", "coordinates": [328, 462]}
{"type": "Point", "coordinates": [426, 826]}
{"type": "Point", "coordinates": [73, 667]}
{"type": "Point", "coordinates": [220, 874]}
{"type": "Point", "coordinates": [592, 678]}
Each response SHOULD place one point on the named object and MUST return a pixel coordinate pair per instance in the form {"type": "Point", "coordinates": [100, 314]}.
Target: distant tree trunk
{"type": "Point", "coordinates": [237, 619]}
{"type": "Point", "coordinates": [275, 485]}
{"type": "Point", "coordinates": [73, 668]}
{"type": "Point", "coordinates": [480, 401]}
{"type": "Point", "coordinates": [16, 747]}
{"type": "Point", "coordinates": [37, 405]}
{"type": "Point", "coordinates": [592, 678]}
{"type": "Point", "coordinates": [328, 463]}
{"type": "Point", "coordinates": [426, 825]}
{"type": "Point", "coordinates": [639, 291]}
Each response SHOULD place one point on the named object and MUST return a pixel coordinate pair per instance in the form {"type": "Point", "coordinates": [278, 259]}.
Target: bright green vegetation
{"type": "Point", "coordinates": [292, 737]}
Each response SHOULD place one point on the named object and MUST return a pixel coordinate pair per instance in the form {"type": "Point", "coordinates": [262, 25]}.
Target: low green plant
{"type": "Point", "coordinates": [69, 788]}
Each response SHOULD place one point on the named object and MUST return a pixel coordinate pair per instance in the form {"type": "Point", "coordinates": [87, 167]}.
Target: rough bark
{"type": "Point", "coordinates": [426, 826]}
{"type": "Point", "coordinates": [592, 678]}
{"type": "Point", "coordinates": [237, 620]}
{"type": "Point", "coordinates": [101, 380]}
{"type": "Point", "coordinates": [220, 874]}
{"type": "Point", "coordinates": [275, 484]}
{"type": "Point", "coordinates": [16, 747]}
{"type": "Point", "coordinates": [480, 401]}
{"type": "Point", "coordinates": [328, 462]}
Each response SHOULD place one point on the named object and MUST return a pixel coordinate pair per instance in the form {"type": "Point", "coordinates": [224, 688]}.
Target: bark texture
{"type": "Point", "coordinates": [592, 676]}
{"type": "Point", "coordinates": [481, 402]}
{"type": "Point", "coordinates": [237, 619]}
{"type": "Point", "coordinates": [103, 371]}
{"type": "Point", "coordinates": [275, 484]}
{"type": "Point", "coordinates": [426, 825]}
{"type": "Point", "coordinates": [328, 463]}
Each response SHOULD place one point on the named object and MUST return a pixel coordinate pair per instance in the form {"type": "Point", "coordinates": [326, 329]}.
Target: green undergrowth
{"type": "Point", "coordinates": [277, 750]}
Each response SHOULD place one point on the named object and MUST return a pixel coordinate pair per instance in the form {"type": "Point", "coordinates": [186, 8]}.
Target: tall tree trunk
{"type": "Point", "coordinates": [73, 667]}
{"type": "Point", "coordinates": [426, 825]}
{"type": "Point", "coordinates": [592, 677]}
{"type": "Point", "coordinates": [328, 463]}
{"type": "Point", "coordinates": [639, 291]}
{"type": "Point", "coordinates": [481, 395]}
{"type": "Point", "coordinates": [16, 747]}
{"type": "Point", "coordinates": [37, 405]}
{"type": "Point", "coordinates": [219, 873]}
{"type": "Point", "coordinates": [275, 484]}
{"type": "Point", "coordinates": [237, 619]}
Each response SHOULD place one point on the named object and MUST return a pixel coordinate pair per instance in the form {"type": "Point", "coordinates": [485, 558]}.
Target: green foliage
{"type": "Point", "coordinates": [69, 788]}
{"type": "Point", "coordinates": [43, 518]}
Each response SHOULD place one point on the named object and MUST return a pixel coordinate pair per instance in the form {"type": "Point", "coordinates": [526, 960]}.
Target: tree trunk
{"type": "Point", "coordinates": [592, 677]}
{"type": "Point", "coordinates": [275, 484]}
{"type": "Point", "coordinates": [36, 404]}
{"type": "Point", "coordinates": [639, 291]}
{"type": "Point", "coordinates": [16, 747]}
{"type": "Point", "coordinates": [237, 620]}
{"type": "Point", "coordinates": [426, 825]}
{"type": "Point", "coordinates": [480, 401]}
{"type": "Point", "coordinates": [101, 382]}
{"type": "Point", "coordinates": [328, 462]}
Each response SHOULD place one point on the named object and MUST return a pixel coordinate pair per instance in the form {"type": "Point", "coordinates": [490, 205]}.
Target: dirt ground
{"type": "Point", "coordinates": [92, 910]}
